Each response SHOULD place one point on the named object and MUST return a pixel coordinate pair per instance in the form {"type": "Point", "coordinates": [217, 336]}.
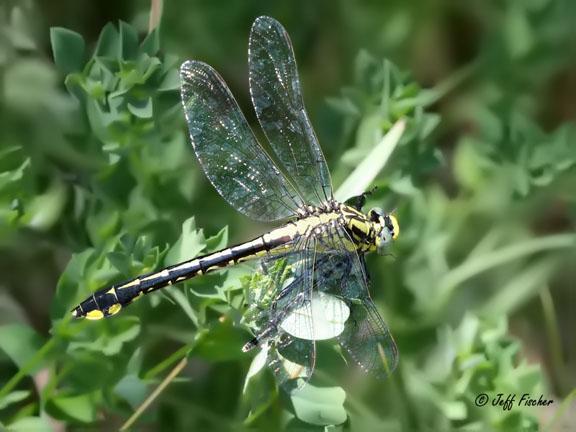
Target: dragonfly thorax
{"type": "Point", "coordinates": [370, 232]}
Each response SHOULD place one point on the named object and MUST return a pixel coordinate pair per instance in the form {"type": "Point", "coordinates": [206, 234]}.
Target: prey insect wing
{"type": "Point", "coordinates": [291, 359]}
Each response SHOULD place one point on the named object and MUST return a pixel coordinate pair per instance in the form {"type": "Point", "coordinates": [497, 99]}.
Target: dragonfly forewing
{"type": "Point", "coordinates": [227, 150]}
{"type": "Point", "coordinates": [277, 98]}
{"type": "Point", "coordinates": [366, 336]}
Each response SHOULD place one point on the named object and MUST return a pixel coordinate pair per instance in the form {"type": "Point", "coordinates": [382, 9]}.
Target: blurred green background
{"type": "Point", "coordinates": [98, 183]}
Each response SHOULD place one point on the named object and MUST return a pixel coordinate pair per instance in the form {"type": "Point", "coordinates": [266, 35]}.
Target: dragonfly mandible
{"type": "Point", "coordinates": [322, 240]}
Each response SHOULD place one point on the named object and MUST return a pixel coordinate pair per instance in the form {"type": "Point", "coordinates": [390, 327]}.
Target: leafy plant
{"type": "Point", "coordinates": [481, 180]}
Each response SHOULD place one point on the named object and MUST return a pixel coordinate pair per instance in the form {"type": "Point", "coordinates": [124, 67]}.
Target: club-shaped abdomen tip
{"type": "Point", "coordinates": [77, 312]}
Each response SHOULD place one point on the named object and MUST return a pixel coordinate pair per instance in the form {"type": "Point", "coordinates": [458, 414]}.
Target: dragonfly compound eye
{"type": "Point", "coordinates": [392, 222]}
{"type": "Point", "coordinates": [376, 214]}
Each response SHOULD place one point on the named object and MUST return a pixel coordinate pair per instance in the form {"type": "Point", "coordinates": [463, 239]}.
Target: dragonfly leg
{"type": "Point", "coordinates": [358, 201]}
{"type": "Point", "coordinates": [258, 340]}
{"type": "Point", "coordinates": [272, 328]}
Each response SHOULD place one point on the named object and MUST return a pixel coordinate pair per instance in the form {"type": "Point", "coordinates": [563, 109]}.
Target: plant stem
{"type": "Point", "coordinates": [479, 264]}
{"type": "Point", "coordinates": [177, 369]}
{"type": "Point", "coordinates": [27, 368]}
{"type": "Point", "coordinates": [155, 14]}
{"type": "Point", "coordinates": [553, 335]}
{"type": "Point", "coordinates": [182, 352]}
{"type": "Point", "coordinates": [553, 424]}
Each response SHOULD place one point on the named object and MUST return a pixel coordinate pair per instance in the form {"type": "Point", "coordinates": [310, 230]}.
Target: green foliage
{"type": "Point", "coordinates": [68, 50]}
{"type": "Point", "coordinates": [98, 184]}
{"type": "Point", "coordinates": [521, 151]}
{"type": "Point", "coordinates": [382, 95]}
{"type": "Point", "coordinates": [477, 357]}
{"type": "Point", "coordinates": [320, 406]}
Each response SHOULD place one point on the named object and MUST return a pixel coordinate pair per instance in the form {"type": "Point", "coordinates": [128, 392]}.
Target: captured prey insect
{"type": "Point", "coordinates": [322, 241]}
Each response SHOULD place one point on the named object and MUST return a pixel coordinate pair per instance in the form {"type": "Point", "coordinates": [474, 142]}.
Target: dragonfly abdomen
{"type": "Point", "coordinates": [109, 301]}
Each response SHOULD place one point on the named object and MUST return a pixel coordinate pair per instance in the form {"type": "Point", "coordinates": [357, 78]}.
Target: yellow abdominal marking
{"type": "Point", "coordinates": [163, 273]}
{"type": "Point", "coordinates": [114, 309]}
{"type": "Point", "coordinates": [95, 314]}
{"type": "Point", "coordinates": [131, 283]}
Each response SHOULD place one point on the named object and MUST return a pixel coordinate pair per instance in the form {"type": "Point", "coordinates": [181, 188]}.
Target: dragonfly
{"type": "Point", "coordinates": [321, 240]}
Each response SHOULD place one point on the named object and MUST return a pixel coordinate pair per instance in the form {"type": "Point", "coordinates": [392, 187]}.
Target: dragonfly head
{"type": "Point", "coordinates": [387, 228]}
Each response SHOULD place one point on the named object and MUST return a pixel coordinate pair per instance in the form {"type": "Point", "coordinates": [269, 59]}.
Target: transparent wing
{"type": "Point", "coordinates": [291, 358]}
{"type": "Point", "coordinates": [277, 99]}
{"type": "Point", "coordinates": [366, 337]}
{"type": "Point", "coordinates": [232, 159]}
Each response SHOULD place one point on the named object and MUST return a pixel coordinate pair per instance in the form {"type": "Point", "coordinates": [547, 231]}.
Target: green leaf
{"type": "Point", "coordinates": [132, 389]}
{"type": "Point", "coordinates": [170, 82]}
{"type": "Point", "coordinates": [107, 45]}
{"type": "Point", "coordinates": [15, 176]}
{"type": "Point", "coordinates": [19, 342]}
{"type": "Point", "coordinates": [128, 41]}
{"type": "Point", "coordinates": [99, 121]}
{"type": "Point", "coordinates": [28, 424]}
{"type": "Point", "coordinates": [258, 364]}
{"type": "Point", "coordinates": [321, 406]}
{"type": "Point", "coordinates": [429, 123]}
{"type": "Point", "coordinates": [223, 342]}
{"type": "Point", "coordinates": [74, 85]}
{"type": "Point", "coordinates": [454, 410]}
{"type": "Point", "coordinates": [189, 245]}
{"type": "Point", "coordinates": [68, 48]}
{"type": "Point", "coordinates": [112, 336]}
{"type": "Point", "coordinates": [112, 344]}
{"type": "Point", "coordinates": [120, 261]}
{"type": "Point", "coordinates": [22, 28]}
{"type": "Point", "coordinates": [45, 210]}
{"type": "Point", "coordinates": [14, 397]}
{"type": "Point", "coordinates": [151, 44]}
{"type": "Point", "coordinates": [468, 164]}
{"type": "Point", "coordinates": [466, 334]}
{"type": "Point", "coordinates": [182, 300]}
{"type": "Point", "coordinates": [218, 241]}
{"type": "Point", "coordinates": [102, 224]}
{"type": "Point", "coordinates": [70, 283]}
{"type": "Point", "coordinates": [373, 163]}
{"type": "Point", "coordinates": [142, 109]}
{"type": "Point", "coordinates": [103, 371]}
{"type": "Point", "coordinates": [81, 408]}
{"type": "Point", "coordinates": [518, 32]}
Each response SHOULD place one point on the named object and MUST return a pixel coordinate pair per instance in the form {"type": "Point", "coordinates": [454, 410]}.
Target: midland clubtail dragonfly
{"type": "Point", "coordinates": [322, 241]}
